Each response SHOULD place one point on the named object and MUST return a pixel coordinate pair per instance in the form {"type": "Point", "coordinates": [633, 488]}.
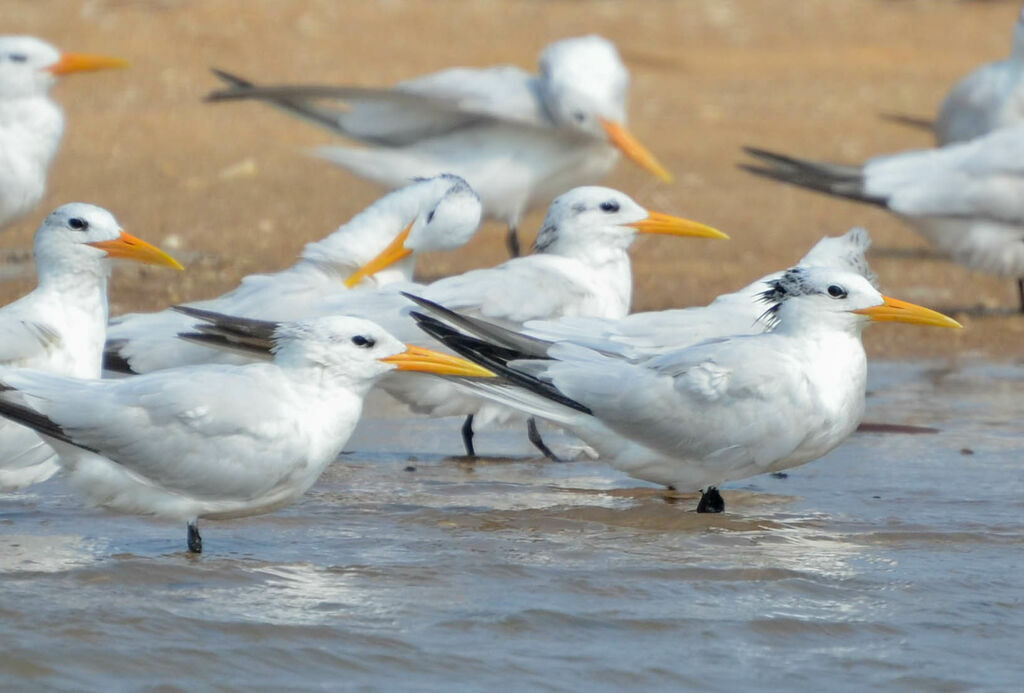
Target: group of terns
{"type": "Point", "coordinates": [234, 405]}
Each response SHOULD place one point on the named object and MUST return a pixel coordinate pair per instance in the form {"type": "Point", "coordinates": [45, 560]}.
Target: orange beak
{"type": "Point", "coordinates": [83, 62]}
{"type": "Point", "coordinates": [416, 358]}
{"type": "Point", "coordinates": [634, 151]}
{"type": "Point", "coordinates": [132, 248]}
{"type": "Point", "coordinates": [395, 251]}
{"type": "Point", "coordinates": [895, 310]}
{"type": "Point", "coordinates": [656, 222]}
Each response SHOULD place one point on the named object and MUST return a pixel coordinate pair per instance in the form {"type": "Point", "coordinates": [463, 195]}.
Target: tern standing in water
{"type": "Point", "coordinates": [519, 139]}
{"type": "Point", "coordinates": [217, 441]}
{"type": "Point", "coordinates": [724, 409]}
{"type": "Point", "coordinates": [31, 123]}
{"type": "Point", "coordinates": [60, 326]}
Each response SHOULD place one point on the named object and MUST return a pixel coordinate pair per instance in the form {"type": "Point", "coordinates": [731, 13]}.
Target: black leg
{"type": "Point", "coordinates": [538, 442]}
{"type": "Point", "coordinates": [195, 542]}
{"type": "Point", "coordinates": [1020, 293]}
{"type": "Point", "coordinates": [711, 501]}
{"type": "Point", "coordinates": [467, 436]}
{"type": "Point", "coordinates": [512, 241]}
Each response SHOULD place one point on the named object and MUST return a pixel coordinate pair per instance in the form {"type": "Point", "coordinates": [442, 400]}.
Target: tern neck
{"type": "Point", "coordinates": [364, 237]}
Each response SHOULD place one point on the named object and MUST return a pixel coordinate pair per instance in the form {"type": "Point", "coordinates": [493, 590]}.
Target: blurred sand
{"type": "Point", "coordinates": [227, 189]}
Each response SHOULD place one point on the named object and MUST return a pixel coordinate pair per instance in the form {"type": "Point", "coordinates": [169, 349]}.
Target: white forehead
{"type": "Point", "coordinates": [330, 329]}
{"type": "Point", "coordinates": [29, 46]}
{"type": "Point", "coordinates": [96, 216]}
{"type": "Point", "coordinates": [590, 196]}
{"type": "Point", "coordinates": [582, 61]}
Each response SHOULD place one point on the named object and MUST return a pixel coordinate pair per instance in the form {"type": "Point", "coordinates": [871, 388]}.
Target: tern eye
{"type": "Point", "coordinates": [18, 58]}
{"type": "Point", "coordinates": [611, 206]}
{"type": "Point", "coordinates": [430, 216]}
{"type": "Point", "coordinates": [78, 224]}
{"type": "Point", "coordinates": [361, 341]}
{"type": "Point", "coordinates": [579, 116]}
{"type": "Point", "coordinates": [836, 291]}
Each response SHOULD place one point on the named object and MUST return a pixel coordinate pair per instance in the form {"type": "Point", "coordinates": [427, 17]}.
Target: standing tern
{"type": "Point", "coordinates": [696, 417]}
{"type": "Point", "coordinates": [518, 138]}
{"type": "Point", "coordinates": [376, 247]}
{"type": "Point", "coordinates": [580, 267]}
{"type": "Point", "coordinates": [31, 123]}
{"type": "Point", "coordinates": [989, 98]}
{"type": "Point", "coordinates": [967, 199]}
{"type": "Point", "coordinates": [217, 441]}
{"type": "Point", "coordinates": [59, 327]}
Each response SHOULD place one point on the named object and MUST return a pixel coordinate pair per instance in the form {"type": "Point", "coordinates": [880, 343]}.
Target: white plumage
{"type": "Point", "coordinates": [31, 123]}
{"type": "Point", "coordinates": [217, 441]}
{"type": "Point", "coordinates": [967, 199]}
{"type": "Point", "coordinates": [60, 326]}
{"type": "Point", "coordinates": [723, 409]}
{"type": "Point", "coordinates": [518, 138]}
{"type": "Point", "coordinates": [438, 213]}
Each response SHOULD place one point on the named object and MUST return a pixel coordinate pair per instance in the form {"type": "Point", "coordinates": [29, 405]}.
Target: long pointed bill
{"type": "Point", "coordinates": [634, 151]}
{"type": "Point", "coordinates": [656, 222]}
{"type": "Point", "coordinates": [895, 310]}
{"type": "Point", "coordinates": [416, 358]}
{"type": "Point", "coordinates": [395, 251]}
{"type": "Point", "coordinates": [83, 62]}
{"type": "Point", "coordinates": [132, 248]}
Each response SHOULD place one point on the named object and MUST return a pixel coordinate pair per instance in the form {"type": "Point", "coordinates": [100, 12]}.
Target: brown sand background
{"type": "Point", "coordinates": [227, 189]}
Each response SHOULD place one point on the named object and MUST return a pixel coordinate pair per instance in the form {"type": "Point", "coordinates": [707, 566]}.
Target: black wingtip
{"type": "Point", "coordinates": [113, 361]}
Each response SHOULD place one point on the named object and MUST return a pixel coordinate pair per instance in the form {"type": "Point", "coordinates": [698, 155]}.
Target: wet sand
{"type": "Point", "coordinates": [228, 189]}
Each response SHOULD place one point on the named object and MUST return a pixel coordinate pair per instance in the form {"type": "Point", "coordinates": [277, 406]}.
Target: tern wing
{"type": "Point", "coordinates": [412, 111]}
{"type": "Point", "coordinates": [203, 430]}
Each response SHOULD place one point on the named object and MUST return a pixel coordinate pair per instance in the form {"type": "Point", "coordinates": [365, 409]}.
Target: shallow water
{"type": "Point", "coordinates": [894, 562]}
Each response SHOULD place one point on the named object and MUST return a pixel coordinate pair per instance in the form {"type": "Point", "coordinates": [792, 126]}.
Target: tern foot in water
{"type": "Point", "coordinates": [512, 242]}
{"type": "Point", "coordinates": [711, 501]}
{"type": "Point", "coordinates": [467, 436]}
{"type": "Point", "coordinates": [538, 442]}
{"type": "Point", "coordinates": [195, 542]}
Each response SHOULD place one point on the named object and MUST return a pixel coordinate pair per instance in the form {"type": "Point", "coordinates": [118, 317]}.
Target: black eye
{"type": "Point", "coordinates": [836, 291]}
{"type": "Point", "coordinates": [578, 116]}
{"type": "Point", "coordinates": [361, 341]}
{"type": "Point", "coordinates": [18, 58]}
{"type": "Point", "coordinates": [430, 216]}
{"type": "Point", "coordinates": [610, 206]}
{"type": "Point", "coordinates": [78, 224]}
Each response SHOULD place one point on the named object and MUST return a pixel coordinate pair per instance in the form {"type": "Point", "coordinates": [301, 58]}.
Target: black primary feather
{"type": "Point", "coordinates": [112, 359]}
{"type": "Point", "coordinates": [495, 358]}
{"type": "Point", "coordinates": [832, 179]}
{"type": "Point", "coordinates": [40, 423]}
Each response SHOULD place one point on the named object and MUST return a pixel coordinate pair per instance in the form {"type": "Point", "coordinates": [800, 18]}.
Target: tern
{"type": "Point", "coordinates": [376, 247]}
{"type": "Point", "coordinates": [696, 417]}
{"type": "Point", "coordinates": [217, 441]}
{"type": "Point", "coordinates": [967, 199]}
{"type": "Point", "coordinates": [519, 139]}
{"type": "Point", "coordinates": [59, 327]}
{"type": "Point", "coordinates": [31, 123]}
{"type": "Point", "coordinates": [989, 98]}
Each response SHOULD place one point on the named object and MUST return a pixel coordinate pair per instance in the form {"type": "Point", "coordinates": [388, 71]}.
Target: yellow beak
{"type": "Point", "coordinates": [895, 310]}
{"type": "Point", "coordinates": [656, 222]}
{"type": "Point", "coordinates": [634, 151]}
{"type": "Point", "coordinates": [83, 62]}
{"type": "Point", "coordinates": [395, 251]}
{"type": "Point", "coordinates": [132, 248]}
{"type": "Point", "coordinates": [416, 358]}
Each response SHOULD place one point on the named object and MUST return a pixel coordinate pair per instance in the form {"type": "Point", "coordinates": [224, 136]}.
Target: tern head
{"type": "Point", "coordinates": [838, 298]}
{"type": "Point", "coordinates": [595, 218]}
{"type": "Point", "coordinates": [584, 86]}
{"type": "Point", "coordinates": [30, 66]}
{"type": "Point", "coordinates": [843, 252]}
{"type": "Point", "coordinates": [438, 213]}
{"type": "Point", "coordinates": [360, 351]}
{"type": "Point", "coordinates": [81, 237]}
